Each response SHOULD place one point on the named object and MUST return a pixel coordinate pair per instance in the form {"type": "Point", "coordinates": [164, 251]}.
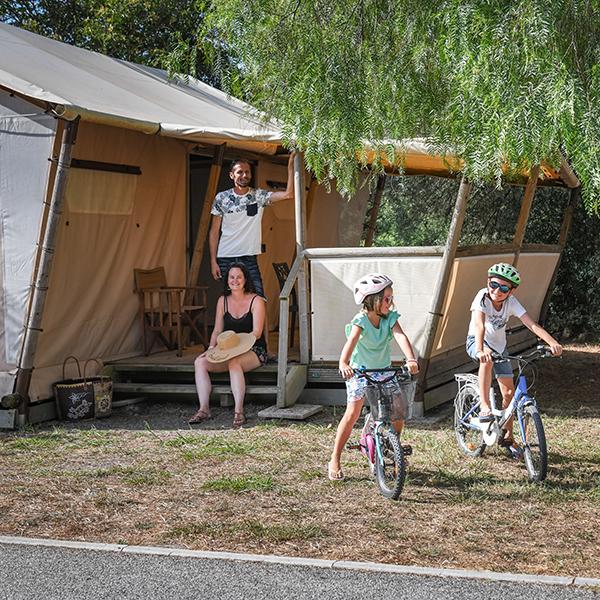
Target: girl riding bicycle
{"type": "Point", "coordinates": [490, 311]}
{"type": "Point", "coordinates": [368, 346]}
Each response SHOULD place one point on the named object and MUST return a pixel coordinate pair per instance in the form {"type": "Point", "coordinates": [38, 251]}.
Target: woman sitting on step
{"type": "Point", "coordinates": [237, 343]}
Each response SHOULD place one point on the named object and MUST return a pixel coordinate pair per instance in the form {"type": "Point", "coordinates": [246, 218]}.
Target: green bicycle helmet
{"type": "Point", "coordinates": [505, 271]}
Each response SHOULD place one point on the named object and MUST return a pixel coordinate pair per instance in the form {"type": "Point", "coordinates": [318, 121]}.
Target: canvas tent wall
{"type": "Point", "coordinates": [114, 221]}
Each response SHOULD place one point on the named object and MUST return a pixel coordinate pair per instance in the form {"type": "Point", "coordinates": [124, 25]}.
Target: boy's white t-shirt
{"type": "Point", "coordinates": [495, 320]}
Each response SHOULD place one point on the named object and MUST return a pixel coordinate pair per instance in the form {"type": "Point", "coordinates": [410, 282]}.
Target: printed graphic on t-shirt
{"type": "Point", "coordinates": [497, 321]}
{"type": "Point", "coordinates": [228, 202]}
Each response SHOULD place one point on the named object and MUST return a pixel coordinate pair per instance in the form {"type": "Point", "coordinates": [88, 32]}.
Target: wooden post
{"type": "Point", "coordinates": [284, 304]}
{"type": "Point", "coordinates": [525, 210]}
{"type": "Point", "coordinates": [33, 326]}
{"type": "Point", "coordinates": [375, 210]}
{"type": "Point", "coordinates": [300, 220]}
{"type": "Point", "coordinates": [562, 240]}
{"type": "Point", "coordinates": [211, 190]}
{"type": "Point", "coordinates": [456, 224]}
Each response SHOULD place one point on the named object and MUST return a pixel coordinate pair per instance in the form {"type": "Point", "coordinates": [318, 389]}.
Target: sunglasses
{"type": "Point", "coordinates": [388, 299]}
{"type": "Point", "coordinates": [500, 286]}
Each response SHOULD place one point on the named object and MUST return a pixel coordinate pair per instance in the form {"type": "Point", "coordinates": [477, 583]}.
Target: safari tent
{"type": "Point", "coordinates": [107, 166]}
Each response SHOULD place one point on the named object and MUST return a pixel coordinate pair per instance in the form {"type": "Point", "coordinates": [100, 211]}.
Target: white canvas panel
{"type": "Point", "coordinates": [469, 275]}
{"type": "Point", "coordinates": [26, 139]}
{"type": "Point", "coordinates": [333, 304]}
{"type": "Point", "coordinates": [91, 310]}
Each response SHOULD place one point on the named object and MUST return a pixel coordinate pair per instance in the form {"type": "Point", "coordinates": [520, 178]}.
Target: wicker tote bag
{"type": "Point", "coordinates": [83, 397]}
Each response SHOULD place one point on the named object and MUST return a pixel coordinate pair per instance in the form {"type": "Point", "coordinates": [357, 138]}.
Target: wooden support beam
{"type": "Point", "coordinates": [562, 240]}
{"type": "Point", "coordinates": [211, 190]}
{"type": "Point", "coordinates": [526, 203]}
{"type": "Point", "coordinates": [300, 220]}
{"type": "Point", "coordinates": [458, 217]}
{"type": "Point", "coordinates": [284, 304]}
{"type": "Point", "coordinates": [375, 210]}
{"type": "Point", "coordinates": [379, 252]}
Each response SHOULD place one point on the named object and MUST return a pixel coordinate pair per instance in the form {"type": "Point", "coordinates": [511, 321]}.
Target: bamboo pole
{"type": "Point", "coordinates": [562, 241]}
{"type": "Point", "coordinates": [375, 210]}
{"type": "Point", "coordinates": [209, 195]}
{"type": "Point", "coordinates": [379, 252]}
{"type": "Point", "coordinates": [39, 290]}
{"type": "Point", "coordinates": [528, 196]}
{"type": "Point", "coordinates": [456, 224]}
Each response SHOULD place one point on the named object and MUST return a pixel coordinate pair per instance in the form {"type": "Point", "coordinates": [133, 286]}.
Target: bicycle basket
{"type": "Point", "coordinates": [399, 395]}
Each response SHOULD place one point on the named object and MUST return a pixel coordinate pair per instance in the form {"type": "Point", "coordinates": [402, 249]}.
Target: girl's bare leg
{"type": "Point", "coordinates": [343, 432]}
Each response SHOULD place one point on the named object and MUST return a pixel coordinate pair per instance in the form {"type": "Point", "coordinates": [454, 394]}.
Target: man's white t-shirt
{"type": "Point", "coordinates": [495, 320]}
{"type": "Point", "coordinates": [241, 232]}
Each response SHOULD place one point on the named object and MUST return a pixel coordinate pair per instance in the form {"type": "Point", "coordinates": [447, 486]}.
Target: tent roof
{"type": "Point", "coordinates": [77, 82]}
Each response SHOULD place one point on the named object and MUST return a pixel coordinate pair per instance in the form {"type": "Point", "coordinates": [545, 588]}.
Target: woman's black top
{"type": "Point", "coordinates": [242, 325]}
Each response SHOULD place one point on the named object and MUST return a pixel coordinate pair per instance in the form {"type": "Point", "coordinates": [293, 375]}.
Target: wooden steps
{"type": "Point", "coordinates": [149, 376]}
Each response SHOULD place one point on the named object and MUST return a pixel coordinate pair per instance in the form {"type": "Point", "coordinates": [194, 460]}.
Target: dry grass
{"type": "Point", "coordinates": [264, 489]}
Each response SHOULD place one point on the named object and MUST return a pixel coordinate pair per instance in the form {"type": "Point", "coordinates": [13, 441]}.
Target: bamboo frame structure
{"type": "Point", "coordinates": [48, 236]}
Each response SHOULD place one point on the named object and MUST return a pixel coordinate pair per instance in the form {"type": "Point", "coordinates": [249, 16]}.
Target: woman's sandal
{"type": "Point", "coordinates": [199, 416]}
{"type": "Point", "coordinates": [334, 475]}
{"type": "Point", "coordinates": [239, 419]}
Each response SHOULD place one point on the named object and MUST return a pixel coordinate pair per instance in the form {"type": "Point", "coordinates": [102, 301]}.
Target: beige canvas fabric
{"type": "Point", "coordinates": [469, 275]}
{"type": "Point", "coordinates": [91, 310]}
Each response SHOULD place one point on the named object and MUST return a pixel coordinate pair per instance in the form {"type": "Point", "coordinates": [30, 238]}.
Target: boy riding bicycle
{"type": "Point", "coordinates": [490, 311]}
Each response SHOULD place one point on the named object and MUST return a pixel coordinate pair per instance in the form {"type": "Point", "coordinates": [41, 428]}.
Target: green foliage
{"type": "Point", "coordinates": [502, 84]}
{"type": "Point", "coordinates": [150, 32]}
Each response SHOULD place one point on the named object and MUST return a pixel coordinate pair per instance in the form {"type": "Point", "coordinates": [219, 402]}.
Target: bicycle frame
{"type": "Point", "coordinates": [519, 401]}
{"type": "Point", "coordinates": [384, 399]}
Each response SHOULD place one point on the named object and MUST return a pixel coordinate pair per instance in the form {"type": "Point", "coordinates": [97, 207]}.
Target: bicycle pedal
{"type": "Point", "coordinates": [353, 446]}
{"type": "Point", "coordinates": [407, 450]}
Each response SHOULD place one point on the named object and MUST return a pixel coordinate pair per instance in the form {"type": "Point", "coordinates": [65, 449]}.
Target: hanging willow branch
{"type": "Point", "coordinates": [504, 84]}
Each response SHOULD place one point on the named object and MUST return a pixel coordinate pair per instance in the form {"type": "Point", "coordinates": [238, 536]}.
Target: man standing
{"type": "Point", "coordinates": [237, 216]}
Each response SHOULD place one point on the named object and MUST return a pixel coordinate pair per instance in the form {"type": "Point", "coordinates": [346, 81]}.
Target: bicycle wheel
{"type": "Point", "coordinates": [535, 451]}
{"type": "Point", "coordinates": [470, 441]}
{"type": "Point", "coordinates": [390, 468]}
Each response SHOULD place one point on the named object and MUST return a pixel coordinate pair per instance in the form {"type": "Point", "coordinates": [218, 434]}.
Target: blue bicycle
{"type": "Point", "coordinates": [473, 436]}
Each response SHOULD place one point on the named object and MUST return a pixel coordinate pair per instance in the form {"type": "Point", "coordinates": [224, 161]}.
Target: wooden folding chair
{"type": "Point", "coordinates": [165, 311]}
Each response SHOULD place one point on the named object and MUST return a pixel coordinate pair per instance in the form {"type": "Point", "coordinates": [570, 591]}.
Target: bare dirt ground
{"type": "Point", "coordinates": [145, 477]}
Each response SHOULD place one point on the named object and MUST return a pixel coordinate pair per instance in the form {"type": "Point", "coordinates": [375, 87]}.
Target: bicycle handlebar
{"type": "Point", "coordinates": [401, 373]}
{"type": "Point", "coordinates": [540, 351]}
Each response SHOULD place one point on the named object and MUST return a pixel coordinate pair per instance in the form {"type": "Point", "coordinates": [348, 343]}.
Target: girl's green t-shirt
{"type": "Point", "coordinates": [373, 350]}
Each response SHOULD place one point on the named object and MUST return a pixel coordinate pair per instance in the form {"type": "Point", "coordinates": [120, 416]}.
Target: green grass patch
{"type": "Point", "coordinates": [248, 483]}
{"type": "Point", "coordinates": [251, 528]}
{"type": "Point", "coordinates": [197, 447]}
{"type": "Point", "coordinates": [134, 475]}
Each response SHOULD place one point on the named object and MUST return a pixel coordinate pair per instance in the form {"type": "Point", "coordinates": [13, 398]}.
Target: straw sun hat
{"type": "Point", "coordinates": [229, 345]}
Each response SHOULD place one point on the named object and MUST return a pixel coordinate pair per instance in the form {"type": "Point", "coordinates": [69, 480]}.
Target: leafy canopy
{"type": "Point", "coordinates": [508, 83]}
{"type": "Point", "coordinates": [151, 32]}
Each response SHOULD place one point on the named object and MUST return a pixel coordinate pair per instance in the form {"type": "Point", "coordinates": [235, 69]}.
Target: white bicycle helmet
{"type": "Point", "coordinates": [370, 284]}
{"type": "Point", "coordinates": [505, 271]}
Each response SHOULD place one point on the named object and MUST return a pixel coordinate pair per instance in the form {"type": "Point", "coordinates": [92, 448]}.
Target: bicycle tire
{"type": "Point", "coordinates": [470, 441]}
{"type": "Point", "coordinates": [535, 450]}
{"type": "Point", "coordinates": [390, 473]}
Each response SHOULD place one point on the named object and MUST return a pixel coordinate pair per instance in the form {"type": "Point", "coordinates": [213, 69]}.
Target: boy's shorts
{"type": "Point", "coordinates": [359, 388]}
{"type": "Point", "coordinates": [501, 369]}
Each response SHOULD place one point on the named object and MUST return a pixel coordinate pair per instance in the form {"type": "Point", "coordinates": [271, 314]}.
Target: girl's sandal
{"type": "Point", "coordinates": [334, 475]}
{"type": "Point", "coordinates": [239, 419]}
{"type": "Point", "coordinates": [199, 416]}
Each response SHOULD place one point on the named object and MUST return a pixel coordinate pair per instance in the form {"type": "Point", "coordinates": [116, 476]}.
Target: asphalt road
{"type": "Point", "coordinates": [49, 573]}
